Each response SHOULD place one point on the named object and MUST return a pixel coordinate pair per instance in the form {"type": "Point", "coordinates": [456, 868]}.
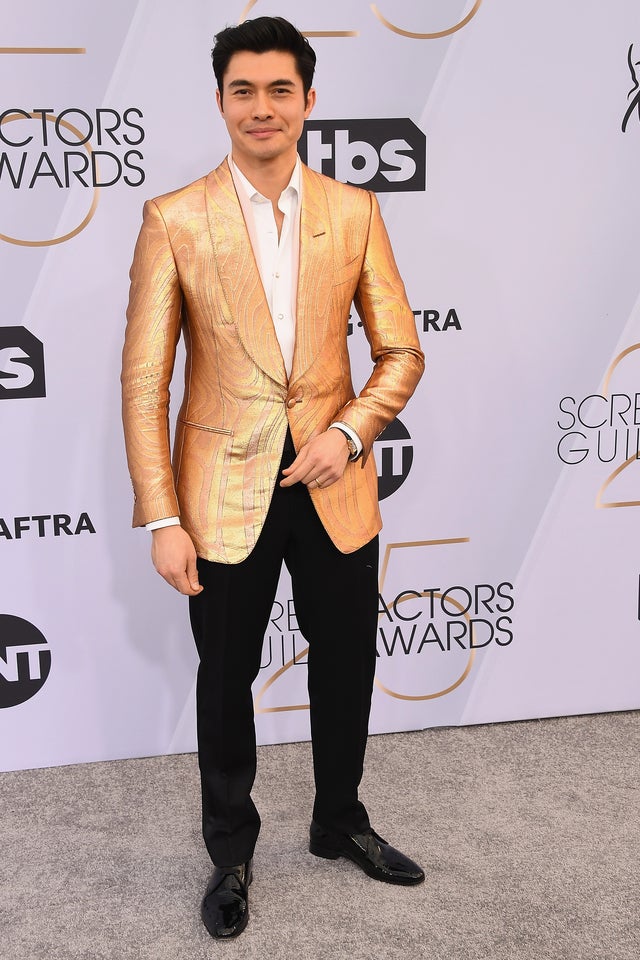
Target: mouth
{"type": "Point", "coordinates": [261, 133]}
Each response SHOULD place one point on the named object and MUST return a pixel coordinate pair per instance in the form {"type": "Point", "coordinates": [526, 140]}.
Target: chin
{"type": "Point", "coordinates": [269, 153]}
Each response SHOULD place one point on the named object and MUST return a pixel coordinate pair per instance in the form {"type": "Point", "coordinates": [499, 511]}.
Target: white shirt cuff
{"type": "Point", "coordinates": [350, 432]}
{"type": "Point", "coordinates": [167, 522]}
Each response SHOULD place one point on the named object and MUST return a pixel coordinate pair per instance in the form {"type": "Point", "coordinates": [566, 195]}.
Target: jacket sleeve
{"type": "Point", "coordinates": [389, 325]}
{"type": "Point", "coordinates": [153, 330]}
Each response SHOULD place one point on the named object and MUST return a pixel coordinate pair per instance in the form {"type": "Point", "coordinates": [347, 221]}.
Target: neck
{"type": "Point", "coordinates": [268, 177]}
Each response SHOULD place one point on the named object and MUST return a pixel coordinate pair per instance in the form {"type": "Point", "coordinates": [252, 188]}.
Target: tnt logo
{"type": "Point", "coordinates": [21, 364]}
{"type": "Point", "coordinates": [25, 660]}
{"type": "Point", "coordinates": [383, 155]}
{"type": "Point", "coordinates": [394, 454]}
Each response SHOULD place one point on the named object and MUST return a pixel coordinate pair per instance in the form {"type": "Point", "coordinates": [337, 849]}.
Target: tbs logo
{"type": "Point", "coordinates": [387, 156]}
{"type": "Point", "coordinates": [21, 364]}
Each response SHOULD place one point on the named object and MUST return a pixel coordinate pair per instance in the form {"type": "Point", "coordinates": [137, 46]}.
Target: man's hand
{"type": "Point", "coordinates": [174, 557]}
{"type": "Point", "coordinates": [320, 462]}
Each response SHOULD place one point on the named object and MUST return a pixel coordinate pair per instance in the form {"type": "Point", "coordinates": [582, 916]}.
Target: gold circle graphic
{"type": "Point", "coordinates": [426, 36]}
{"type": "Point", "coordinates": [461, 678]}
{"type": "Point", "coordinates": [385, 23]}
{"type": "Point", "coordinates": [94, 202]}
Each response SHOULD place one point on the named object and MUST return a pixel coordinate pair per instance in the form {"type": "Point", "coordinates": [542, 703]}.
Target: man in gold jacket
{"type": "Point", "coordinates": [257, 265]}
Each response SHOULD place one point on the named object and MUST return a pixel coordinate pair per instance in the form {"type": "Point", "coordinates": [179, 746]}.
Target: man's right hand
{"type": "Point", "coordinates": [174, 557]}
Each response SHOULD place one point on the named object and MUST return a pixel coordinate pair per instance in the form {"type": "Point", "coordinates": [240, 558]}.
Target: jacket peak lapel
{"type": "Point", "coordinates": [239, 275]}
{"type": "Point", "coordinates": [315, 274]}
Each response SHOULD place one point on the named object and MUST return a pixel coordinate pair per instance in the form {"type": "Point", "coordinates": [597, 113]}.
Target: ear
{"type": "Point", "coordinates": [311, 102]}
{"type": "Point", "coordinates": [219, 101]}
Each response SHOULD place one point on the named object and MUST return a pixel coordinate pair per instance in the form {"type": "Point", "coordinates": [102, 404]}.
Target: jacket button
{"type": "Point", "coordinates": [291, 402]}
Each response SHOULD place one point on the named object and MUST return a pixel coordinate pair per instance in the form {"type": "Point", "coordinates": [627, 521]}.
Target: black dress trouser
{"type": "Point", "coordinates": [336, 603]}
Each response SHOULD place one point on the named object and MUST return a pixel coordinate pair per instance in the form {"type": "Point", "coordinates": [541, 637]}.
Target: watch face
{"type": "Point", "coordinates": [352, 447]}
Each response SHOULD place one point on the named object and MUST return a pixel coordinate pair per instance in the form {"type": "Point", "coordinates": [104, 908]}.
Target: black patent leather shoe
{"type": "Point", "coordinates": [225, 907]}
{"type": "Point", "coordinates": [369, 851]}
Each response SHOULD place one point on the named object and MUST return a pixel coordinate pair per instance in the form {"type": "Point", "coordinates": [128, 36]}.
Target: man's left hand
{"type": "Point", "coordinates": [320, 462]}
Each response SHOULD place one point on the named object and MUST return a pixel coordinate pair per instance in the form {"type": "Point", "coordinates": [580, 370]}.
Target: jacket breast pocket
{"type": "Point", "coordinates": [347, 272]}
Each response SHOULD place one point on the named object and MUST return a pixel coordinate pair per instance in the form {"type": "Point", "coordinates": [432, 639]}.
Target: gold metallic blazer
{"type": "Point", "coordinates": [194, 272]}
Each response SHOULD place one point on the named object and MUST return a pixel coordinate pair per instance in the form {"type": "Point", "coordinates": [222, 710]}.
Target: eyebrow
{"type": "Point", "coordinates": [274, 83]}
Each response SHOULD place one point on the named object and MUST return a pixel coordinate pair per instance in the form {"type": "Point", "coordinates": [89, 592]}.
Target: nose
{"type": "Point", "coordinates": [262, 108]}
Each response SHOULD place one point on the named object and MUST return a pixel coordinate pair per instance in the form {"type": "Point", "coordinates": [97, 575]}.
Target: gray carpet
{"type": "Point", "coordinates": [528, 833]}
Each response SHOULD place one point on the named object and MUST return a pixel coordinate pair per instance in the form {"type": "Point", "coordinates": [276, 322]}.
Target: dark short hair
{"type": "Point", "coordinates": [260, 36]}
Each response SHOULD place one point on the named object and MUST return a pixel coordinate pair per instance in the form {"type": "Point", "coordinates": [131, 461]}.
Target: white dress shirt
{"type": "Point", "coordinates": [277, 257]}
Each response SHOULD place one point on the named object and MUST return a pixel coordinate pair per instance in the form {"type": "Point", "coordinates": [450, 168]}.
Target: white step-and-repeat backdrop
{"type": "Point", "coordinates": [503, 140]}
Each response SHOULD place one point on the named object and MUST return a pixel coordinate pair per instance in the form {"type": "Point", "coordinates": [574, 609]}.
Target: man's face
{"type": "Point", "coordinates": [263, 106]}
